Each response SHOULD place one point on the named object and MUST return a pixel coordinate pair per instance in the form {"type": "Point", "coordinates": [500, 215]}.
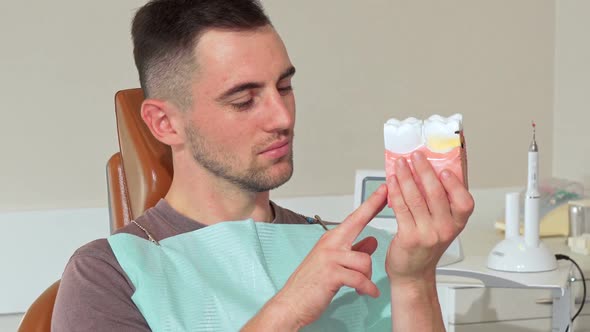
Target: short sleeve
{"type": "Point", "coordinates": [95, 294]}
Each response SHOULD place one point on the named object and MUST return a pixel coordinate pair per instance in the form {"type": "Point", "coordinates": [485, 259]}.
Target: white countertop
{"type": "Point", "coordinates": [478, 241]}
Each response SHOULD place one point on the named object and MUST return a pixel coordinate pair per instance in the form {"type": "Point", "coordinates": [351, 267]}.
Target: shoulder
{"type": "Point", "coordinates": [94, 266]}
{"type": "Point", "coordinates": [96, 250]}
{"type": "Point", "coordinates": [160, 222]}
{"type": "Point", "coordinates": [95, 293]}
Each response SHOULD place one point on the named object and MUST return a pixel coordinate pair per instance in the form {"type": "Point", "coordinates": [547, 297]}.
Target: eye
{"type": "Point", "coordinates": [243, 106]}
{"type": "Point", "coordinates": [285, 90]}
{"type": "Point", "coordinates": [243, 102]}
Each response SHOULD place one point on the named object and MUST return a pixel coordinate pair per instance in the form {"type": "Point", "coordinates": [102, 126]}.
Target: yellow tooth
{"type": "Point", "coordinates": [443, 143]}
{"type": "Point", "coordinates": [441, 134]}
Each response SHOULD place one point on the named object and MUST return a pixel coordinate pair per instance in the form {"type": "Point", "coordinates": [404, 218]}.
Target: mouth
{"type": "Point", "coordinates": [277, 149]}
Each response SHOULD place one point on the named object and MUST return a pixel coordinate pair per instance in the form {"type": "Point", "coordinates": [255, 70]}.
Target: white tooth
{"type": "Point", "coordinates": [393, 121]}
{"type": "Point", "coordinates": [453, 120]}
{"type": "Point", "coordinates": [459, 118]}
{"type": "Point", "coordinates": [436, 117]}
{"type": "Point", "coordinates": [403, 137]}
{"type": "Point", "coordinates": [441, 133]}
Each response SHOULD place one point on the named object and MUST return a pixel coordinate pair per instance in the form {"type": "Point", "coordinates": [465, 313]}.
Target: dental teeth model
{"type": "Point", "coordinates": [439, 138]}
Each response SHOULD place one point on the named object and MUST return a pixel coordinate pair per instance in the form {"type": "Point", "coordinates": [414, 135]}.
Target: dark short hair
{"type": "Point", "coordinates": [165, 35]}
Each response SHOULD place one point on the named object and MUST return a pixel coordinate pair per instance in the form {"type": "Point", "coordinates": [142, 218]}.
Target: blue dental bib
{"type": "Point", "coordinates": [218, 277]}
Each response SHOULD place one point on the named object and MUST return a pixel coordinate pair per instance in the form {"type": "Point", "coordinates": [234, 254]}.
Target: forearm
{"type": "Point", "coordinates": [415, 306]}
{"type": "Point", "coordinates": [274, 316]}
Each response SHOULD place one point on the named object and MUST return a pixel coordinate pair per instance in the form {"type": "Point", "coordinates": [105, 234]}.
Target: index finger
{"type": "Point", "coordinates": [354, 224]}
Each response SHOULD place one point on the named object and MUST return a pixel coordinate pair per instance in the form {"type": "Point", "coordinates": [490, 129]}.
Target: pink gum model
{"type": "Point", "coordinates": [454, 161]}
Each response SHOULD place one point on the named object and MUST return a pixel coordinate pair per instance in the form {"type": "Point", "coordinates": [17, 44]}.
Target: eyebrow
{"type": "Point", "coordinates": [253, 85]}
{"type": "Point", "coordinates": [287, 73]}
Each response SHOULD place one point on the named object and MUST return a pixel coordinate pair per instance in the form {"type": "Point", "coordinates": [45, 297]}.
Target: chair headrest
{"type": "Point", "coordinates": [147, 162]}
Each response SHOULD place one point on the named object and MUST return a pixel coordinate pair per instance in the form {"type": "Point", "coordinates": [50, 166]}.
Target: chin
{"type": "Point", "coordinates": [283, 174]}
{"type": "Point", "coordinates": [279, 174]}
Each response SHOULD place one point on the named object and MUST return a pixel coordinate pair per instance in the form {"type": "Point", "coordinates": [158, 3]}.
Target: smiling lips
{"type": "Point", "coordinates": [278, 149]}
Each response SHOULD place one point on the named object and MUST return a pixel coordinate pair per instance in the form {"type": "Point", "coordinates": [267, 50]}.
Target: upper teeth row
{"type": "Point", "coordinates": [438, 133]}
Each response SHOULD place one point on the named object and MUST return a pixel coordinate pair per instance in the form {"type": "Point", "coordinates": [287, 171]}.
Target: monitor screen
{"type": "Point", "coordinates": [370, 184]}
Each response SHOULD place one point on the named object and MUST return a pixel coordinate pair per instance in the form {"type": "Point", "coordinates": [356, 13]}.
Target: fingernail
{"type": "Point", "coordinates": [401, 163]}
{"type": "Point", "coordinates": [418, 156]}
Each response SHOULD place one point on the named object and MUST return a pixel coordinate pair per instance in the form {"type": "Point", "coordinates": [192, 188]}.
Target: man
{"type": "Point", "coordinates": [217, 80]}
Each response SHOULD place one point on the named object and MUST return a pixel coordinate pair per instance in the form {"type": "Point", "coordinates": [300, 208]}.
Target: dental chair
{"type": "Point", "coordinates": [137, 177]}
{"type": "Point", "coordinates": [140, 174]}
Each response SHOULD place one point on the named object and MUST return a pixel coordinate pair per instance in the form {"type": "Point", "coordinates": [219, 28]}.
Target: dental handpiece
{"type": "Point", "coordinates": [532, 196]}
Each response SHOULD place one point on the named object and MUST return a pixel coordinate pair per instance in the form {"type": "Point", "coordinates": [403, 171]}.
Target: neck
{"type": "Point", "coordinates": [208, 199]}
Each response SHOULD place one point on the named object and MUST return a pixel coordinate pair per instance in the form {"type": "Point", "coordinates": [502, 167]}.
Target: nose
{"type": "Point", "coordinates": [279, 112]}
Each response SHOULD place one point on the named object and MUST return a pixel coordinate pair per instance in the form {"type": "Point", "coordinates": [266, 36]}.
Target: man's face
{"type": "Point", "coordinates": [240, 127]}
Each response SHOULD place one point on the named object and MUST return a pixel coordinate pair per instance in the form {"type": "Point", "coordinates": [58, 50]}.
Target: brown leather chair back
{"type": "Point", "coordinates": [137, 177]}
{"type": "Point", "coordinates": [141, 175]}
{"type": "Point", "coordinates": [119, 210]}
{"type": "Point", "coordinates": [38, 317]}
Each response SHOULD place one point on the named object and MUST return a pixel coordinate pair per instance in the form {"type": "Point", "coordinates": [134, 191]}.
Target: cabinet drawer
{"type": "Point", "coordinates": [541, 324]}
{"type": "Point", "coordinates": [478, 305]}
{"type": "Point", "coordinates": [582, 324]}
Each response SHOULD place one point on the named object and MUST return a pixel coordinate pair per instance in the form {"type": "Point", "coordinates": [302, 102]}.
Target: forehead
{"type": "Point", "coordinates": [227, 57]}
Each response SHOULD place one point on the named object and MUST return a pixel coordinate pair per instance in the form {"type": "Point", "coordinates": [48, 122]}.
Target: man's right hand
{"type": "Point", "coordinates": [332, 263]}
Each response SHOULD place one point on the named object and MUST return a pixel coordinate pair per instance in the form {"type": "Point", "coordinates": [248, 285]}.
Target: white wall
{"type": "Point", "coordinates": [359, 62]}
{"type": "Point", "coordinates": [571, 116]}
{"type": "Point", "coordinates": [9, 323]}
{"type": "Point", "coordinates": [61, 63]}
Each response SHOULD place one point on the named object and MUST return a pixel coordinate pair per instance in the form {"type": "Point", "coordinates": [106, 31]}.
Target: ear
{"type": "Point", "coordinates": [164, 121]}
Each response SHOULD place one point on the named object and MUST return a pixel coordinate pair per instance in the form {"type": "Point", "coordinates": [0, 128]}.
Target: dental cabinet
{"type": "Point", "coordinates": [466, 304]}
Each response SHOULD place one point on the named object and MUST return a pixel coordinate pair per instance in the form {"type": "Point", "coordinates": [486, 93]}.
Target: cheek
{"type": "Point", "coordinates": [225, 130]}
{"type": "Point", "coordinates": [236, 137]}
{"type": "Point", "coordinates": [225, 134]}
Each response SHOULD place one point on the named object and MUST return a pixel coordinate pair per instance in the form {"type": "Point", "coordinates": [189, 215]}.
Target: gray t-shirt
{"type": "Point", "coordinates": [95, 293]}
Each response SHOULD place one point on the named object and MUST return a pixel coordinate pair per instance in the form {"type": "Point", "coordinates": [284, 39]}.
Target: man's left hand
{"type": "Point", "coordinates": [430, 213]}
